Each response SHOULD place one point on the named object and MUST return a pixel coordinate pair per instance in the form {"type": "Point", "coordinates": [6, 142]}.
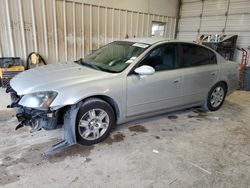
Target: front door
{"type": "Point", "coordinates": [159, 91]}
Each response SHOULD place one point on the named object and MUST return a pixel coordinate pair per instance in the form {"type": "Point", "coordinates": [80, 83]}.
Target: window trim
{"type": "Point", "coordinates": [179, 56]}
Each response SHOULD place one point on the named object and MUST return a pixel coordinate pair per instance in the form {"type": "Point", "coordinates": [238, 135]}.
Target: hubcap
{"type": "Point", "coordinates": [217, 97]}
{"type": "Point", "coordinates": [93, 124]}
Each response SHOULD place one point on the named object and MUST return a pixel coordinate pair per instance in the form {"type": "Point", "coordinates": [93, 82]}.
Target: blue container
{"type": "Point", "coordinates": [247, 79]}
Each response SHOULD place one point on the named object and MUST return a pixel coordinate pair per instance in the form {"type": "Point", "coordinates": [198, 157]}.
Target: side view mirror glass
{"type": "Point", "coordinates": [145, 70]}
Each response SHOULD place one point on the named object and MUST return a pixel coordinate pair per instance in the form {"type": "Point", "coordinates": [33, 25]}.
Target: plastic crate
{"type": "Point", "coordinates": [8, 73]}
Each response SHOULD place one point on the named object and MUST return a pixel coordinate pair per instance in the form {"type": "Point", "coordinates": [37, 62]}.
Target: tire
{"type": "Point", "coordinates": [216, 97]}
{"type": "Point", "coordinates": [94, 122]}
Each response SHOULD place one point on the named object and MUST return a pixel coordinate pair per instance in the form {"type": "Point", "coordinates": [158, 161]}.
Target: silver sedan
{"type": "Point", "coordinates": [122, 81]}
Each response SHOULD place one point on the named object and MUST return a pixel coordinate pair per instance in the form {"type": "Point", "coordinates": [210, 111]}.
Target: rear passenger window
{"type": "Point", "coordinates": [194, 55]}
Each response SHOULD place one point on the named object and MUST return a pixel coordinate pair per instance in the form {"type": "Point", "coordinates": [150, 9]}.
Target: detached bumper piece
{"type": "Point", "coordinates": [69, 136]}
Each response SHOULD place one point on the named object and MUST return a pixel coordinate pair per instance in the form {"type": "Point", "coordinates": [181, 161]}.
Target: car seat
{"type": "Point", "coordinates": [167, 63]}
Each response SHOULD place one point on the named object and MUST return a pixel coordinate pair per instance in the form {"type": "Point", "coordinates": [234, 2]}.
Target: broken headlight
{"type": "Point", "coordinates": [39, 100]}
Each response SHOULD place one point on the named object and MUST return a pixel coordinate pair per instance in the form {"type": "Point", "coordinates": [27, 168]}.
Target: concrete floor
{"type": "Point", "coordinates": [4, 101]}
{"type": "Point", "coordinates": [189, 148]}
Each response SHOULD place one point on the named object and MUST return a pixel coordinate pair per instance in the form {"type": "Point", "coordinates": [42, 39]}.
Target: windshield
{"type": "Point", "coordinates": [114, 57]}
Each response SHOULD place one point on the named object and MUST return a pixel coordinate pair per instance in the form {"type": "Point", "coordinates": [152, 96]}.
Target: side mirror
{"type": "Point", "coordinates": [145, 70]}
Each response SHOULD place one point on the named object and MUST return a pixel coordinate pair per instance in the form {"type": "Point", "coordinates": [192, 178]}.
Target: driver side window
{"type": "Point", "coordinates": [162, 58]}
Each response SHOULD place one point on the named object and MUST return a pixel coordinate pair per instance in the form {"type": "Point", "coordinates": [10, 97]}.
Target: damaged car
{"type": "Point", "coordinates": [120, 82]}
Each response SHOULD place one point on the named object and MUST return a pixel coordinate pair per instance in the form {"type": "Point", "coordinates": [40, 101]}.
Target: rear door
{"type": "Point", "coordinates": [200, 71]}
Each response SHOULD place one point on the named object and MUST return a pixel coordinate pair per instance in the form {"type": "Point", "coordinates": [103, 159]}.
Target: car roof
{"type": "Point", "coordinates": [149, 40]}
{"type": "Point", "coordinates": [154, 40]}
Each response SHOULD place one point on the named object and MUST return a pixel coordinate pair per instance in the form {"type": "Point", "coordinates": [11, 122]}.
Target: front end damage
{"type": "Point", "coordinates": [46, 119]}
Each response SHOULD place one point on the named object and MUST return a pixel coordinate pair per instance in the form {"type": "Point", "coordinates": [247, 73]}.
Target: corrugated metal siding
{"type": "Point", "coordinates": [187, 36]}
{"type": "Point", "coordinates": [189, 24]}
{"type": "Point", "coordinates": [215, 17]}
{"type": "Point", "coordinates": [239, 23]}
{"type": "Point", "coordinates": [67, 30]}
{"type": "Point", "coordinates": [212, 24]}
{"type": "Point", "coordinates": [239, 7]}
{"type": "Point", "coordinates": [215, 7]}
{"type": "Point", "coordinates": [191, 9]}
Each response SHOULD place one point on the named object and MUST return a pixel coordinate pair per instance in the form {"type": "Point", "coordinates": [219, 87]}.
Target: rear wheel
{"type": "Point", "coordinates": [216, 97]}
{"type": "Point", "coordinates": [94, 122]}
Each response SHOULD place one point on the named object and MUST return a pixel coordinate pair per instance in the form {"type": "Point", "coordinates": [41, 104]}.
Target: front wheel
{"type": "Point", "coordinates": [216, 97]}
{"type": "Point", "coordinates": [94, 121]}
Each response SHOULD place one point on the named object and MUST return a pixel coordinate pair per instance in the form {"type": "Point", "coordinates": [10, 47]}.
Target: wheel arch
{"type": "Point", "coordinates": [109, 100]}
{"type": "Point", "coordinates": [223, 82]}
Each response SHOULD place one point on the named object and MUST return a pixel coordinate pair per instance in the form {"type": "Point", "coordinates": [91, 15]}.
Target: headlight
{"type": "Point", "coordinates": [39, 99]}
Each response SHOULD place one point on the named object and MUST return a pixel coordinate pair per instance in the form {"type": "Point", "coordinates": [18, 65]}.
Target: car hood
{"type": "Point", "coordinates": [55, 77]}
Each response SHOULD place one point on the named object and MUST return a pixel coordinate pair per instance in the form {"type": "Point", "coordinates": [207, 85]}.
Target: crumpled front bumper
{"type": "Point", "coordinates": [36, 119]}
{"type": "Point", "coordinates": [47, 119]}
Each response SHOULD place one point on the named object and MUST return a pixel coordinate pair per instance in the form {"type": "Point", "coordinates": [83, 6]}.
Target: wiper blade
{"type": "Point", "coordinates": [93, 66]}
{"type": "Point", "coordinates": [81, 62]}
{"type": "Point", "coordinates": [88, 64]}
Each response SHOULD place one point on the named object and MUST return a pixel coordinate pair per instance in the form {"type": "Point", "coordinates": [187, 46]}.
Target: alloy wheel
{"type": "Point", "coordinates": [93, 124]}
{"type": "Point", "coordinates": [217, 97]}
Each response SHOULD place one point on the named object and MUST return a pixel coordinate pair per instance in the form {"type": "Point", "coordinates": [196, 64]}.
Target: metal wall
{"type": "Point", "coordinates": [230, 17]}
{"type": "Point", "coordinates": [66, 29]}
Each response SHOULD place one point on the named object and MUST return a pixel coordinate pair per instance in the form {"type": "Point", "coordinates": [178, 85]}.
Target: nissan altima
{"type": "Point", "coordinates": [121, 81]}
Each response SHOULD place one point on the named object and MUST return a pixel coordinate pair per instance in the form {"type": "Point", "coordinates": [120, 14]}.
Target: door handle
{"type": "Point", "coordinates": [213, 73]}
{"type": "Point", "coordinates": [176, 81]}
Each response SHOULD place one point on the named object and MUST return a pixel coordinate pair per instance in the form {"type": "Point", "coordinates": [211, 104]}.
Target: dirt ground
{"type": "Point", "coordinates": [189, 148]}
